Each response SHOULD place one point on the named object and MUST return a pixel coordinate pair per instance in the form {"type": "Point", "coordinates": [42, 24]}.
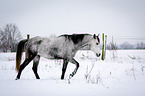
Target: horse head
{"type": "Point", "coordinates": [95, 45]}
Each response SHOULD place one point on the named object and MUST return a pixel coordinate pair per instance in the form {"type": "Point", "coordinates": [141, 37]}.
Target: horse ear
{"type": "Point", "coordinates": [94, 36]}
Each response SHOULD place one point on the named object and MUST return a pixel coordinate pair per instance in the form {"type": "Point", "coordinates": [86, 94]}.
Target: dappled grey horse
{"type": "Point", "coordinates": [61, 47]}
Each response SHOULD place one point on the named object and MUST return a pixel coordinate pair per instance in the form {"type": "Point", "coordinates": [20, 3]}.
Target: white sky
{"type": "Point", "coordinates": [121, 18]}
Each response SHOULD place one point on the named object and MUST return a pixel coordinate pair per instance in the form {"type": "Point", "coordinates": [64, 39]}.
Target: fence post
{"type": "Point", "coordinates": [28, 36]}
{"type": "Point", "coordinates": [104, 37]}
{"type": "Point", "coordinates": [103, 47]}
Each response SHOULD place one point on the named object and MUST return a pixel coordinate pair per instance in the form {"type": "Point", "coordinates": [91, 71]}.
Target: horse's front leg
{"type": "Point", "coordinates": [65, 63]}
{"type": "Point", "coordinates": [77, 66]}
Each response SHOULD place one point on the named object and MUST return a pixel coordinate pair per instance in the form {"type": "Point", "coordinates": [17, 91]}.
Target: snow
{"type": "Point", "coordinates": [120, 75]}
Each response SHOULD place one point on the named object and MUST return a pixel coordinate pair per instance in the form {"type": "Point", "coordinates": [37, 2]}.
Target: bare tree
{"type": "Point", "coordinates": [140, 45]}
{"type": "Point", "coordinates": [0, 40]}
{"type": "Point", "coordinates": [10, 37]}
{"type": "Point", "coordinates": [52, 36]}
{"type": "Point", "coordinates": [112, 45]}
{"type": "Point", "coordinates": [3, 39]}
{"type": "Point", "coordinates": [126, 45]}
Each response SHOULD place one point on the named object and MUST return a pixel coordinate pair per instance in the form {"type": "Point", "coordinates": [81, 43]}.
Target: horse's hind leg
{"type": "Point", "coordinates": [65, 63]}
{"type": "Point", "coordinates": [35, 66]}
{"type": "Point", "coordinates": [24, 64]}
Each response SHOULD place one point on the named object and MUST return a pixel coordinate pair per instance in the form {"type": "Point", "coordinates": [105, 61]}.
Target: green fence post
{"type": "Point", "coordinates": [103, 47]}
{"type": "Point", "coordinates": [28, 36]}
{"type": "Point", "coordinates": [104, 37]}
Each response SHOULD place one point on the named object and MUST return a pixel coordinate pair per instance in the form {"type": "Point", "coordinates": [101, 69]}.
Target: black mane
{"type": "Point", "coordinates": [75, 38]}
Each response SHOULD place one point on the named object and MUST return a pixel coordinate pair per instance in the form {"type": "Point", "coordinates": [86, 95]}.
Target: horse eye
{"type": "Point", "coordinates": [97, 43]}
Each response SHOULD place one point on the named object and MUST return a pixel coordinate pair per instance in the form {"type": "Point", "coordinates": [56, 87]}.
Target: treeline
{"type": "Point", "coordinates": [9, 38]}
{"type": "Point", "coordinates": [125, 45]}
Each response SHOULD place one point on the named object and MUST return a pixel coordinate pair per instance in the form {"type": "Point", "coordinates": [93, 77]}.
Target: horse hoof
{"type": "Point", "coordinates": [62, 78]}
{"type": "Point", "coordinates": [16, 79]}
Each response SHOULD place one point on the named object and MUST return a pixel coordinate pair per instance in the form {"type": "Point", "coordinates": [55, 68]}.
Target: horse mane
{"type": "Point", "coordinates": [75, 38]}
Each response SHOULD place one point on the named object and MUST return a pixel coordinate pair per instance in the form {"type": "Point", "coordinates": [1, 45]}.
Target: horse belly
{"type": "Point", "coordinates": [43, 52]}
{"type": "Point", "coordinates": [50, 52]}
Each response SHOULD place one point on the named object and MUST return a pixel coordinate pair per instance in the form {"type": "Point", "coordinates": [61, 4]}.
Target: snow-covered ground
{"type": "Point", "coordinates": [121, 74]}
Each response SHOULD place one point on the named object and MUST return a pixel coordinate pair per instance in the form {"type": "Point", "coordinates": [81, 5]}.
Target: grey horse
{"type": "Point", "coordinates": [61, 47]}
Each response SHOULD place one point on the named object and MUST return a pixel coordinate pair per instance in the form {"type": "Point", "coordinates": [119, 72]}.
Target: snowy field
{"type": "Point", "coordinates": [121, 74]}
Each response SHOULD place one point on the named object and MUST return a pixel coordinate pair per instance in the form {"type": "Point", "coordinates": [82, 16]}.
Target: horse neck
{"type": "Point", "coordinates": [84, 42]}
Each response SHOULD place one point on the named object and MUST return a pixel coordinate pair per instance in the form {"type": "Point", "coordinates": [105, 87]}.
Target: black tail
{"type": "Point", "coordinates": [20, 49]}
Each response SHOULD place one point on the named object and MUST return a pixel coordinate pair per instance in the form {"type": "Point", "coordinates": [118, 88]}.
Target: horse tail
{"type": "Point", "coordinates": [20, 49]}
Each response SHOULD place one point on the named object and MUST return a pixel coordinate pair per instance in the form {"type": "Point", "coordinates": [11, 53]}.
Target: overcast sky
{"type": "Point", "coordinates": [121, 18]}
